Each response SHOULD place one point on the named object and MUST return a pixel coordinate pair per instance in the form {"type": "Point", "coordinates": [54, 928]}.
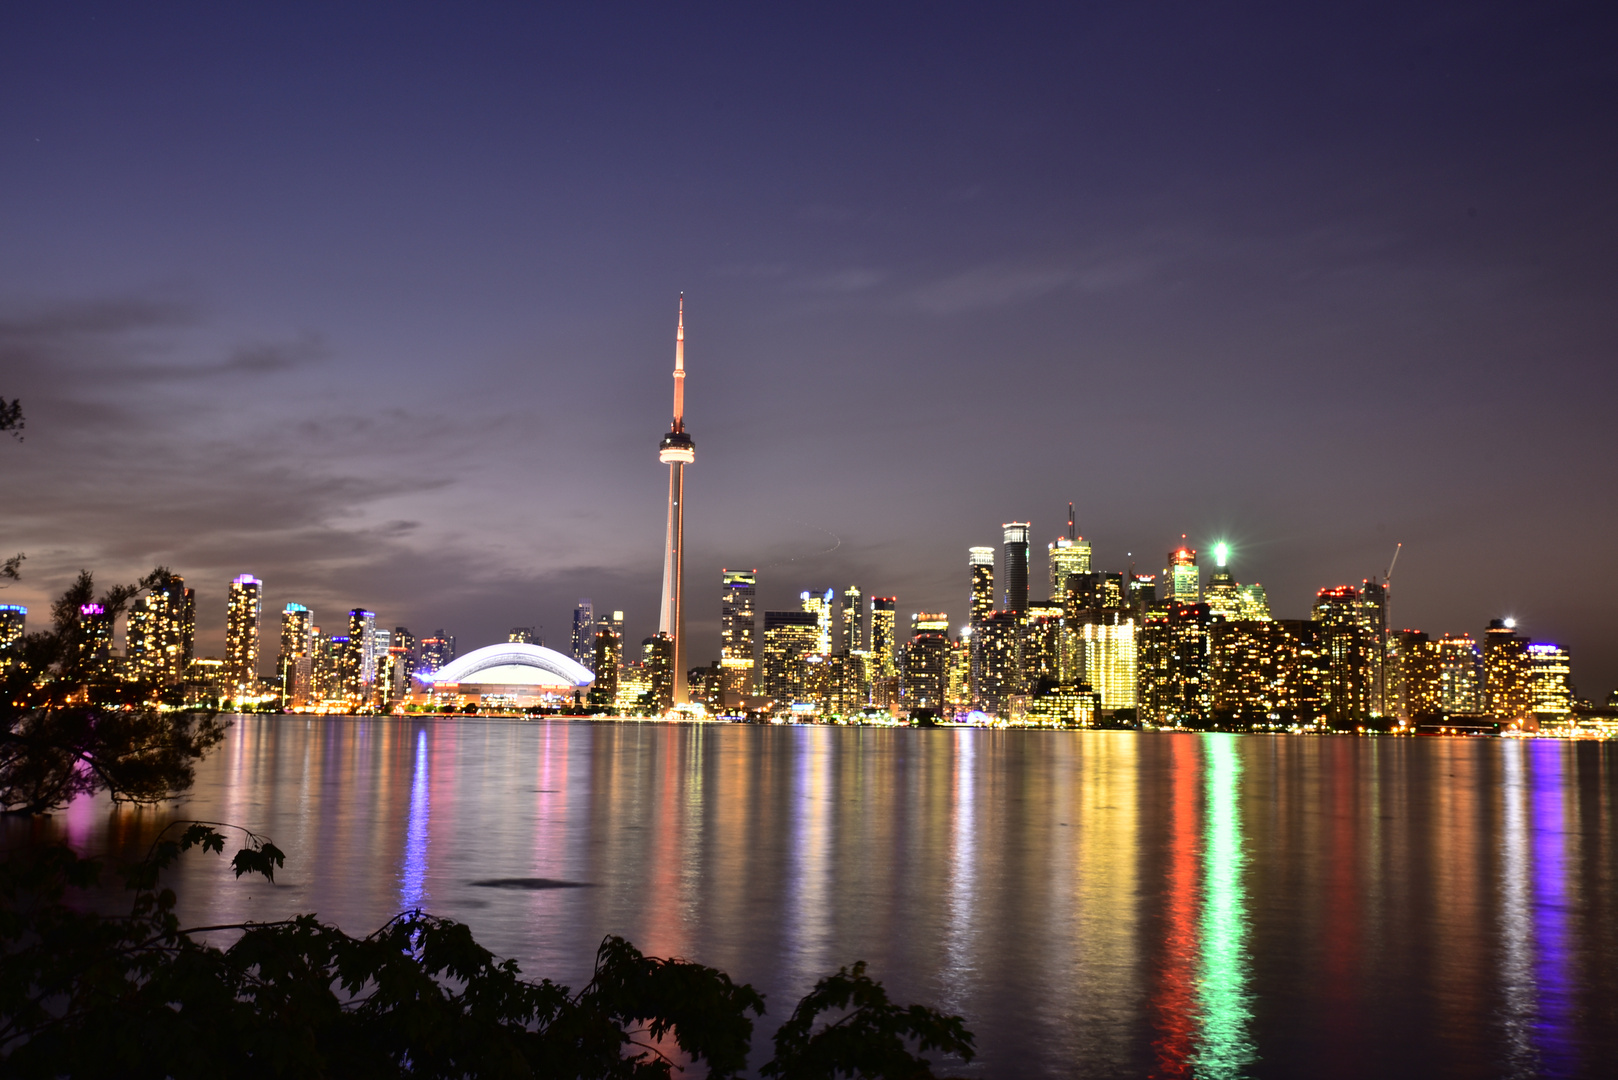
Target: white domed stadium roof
{"type": "Point", "coordinates": [513, 664]}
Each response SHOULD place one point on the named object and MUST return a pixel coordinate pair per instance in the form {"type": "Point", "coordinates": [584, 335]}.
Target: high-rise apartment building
{"type": "Point", "coordinates": [1106, 655]}
{"type": "Point", "coordinates": [884, 611]}
{"type": "Point", "coordinates": [161, 635]}
{"type": "Point", "coordinates": [1506, 676]}
{"type": "Point", "coordinates": [738, 595]}
{"type": "Point", "coordinates": [1173, 666]}
{"type": "Point", "coordinates": [1374, 638]}
{"type": "Point", "coordinates": [926, 654]}
{"type": "Point", "coordinates": [1460, 669]}
{"type": "Point", "coordinates": [294, 664]}
{"type": "Point", "coordinates": [1266, 673]}
{"type": "Point", "coordinates": [406, 645]}
{"type": "Point", "coordinates": [958, 677]}
{"type": "Point", "coordinates": [362, 645]}
{"type": "Point", "coordinates": [1338, 611]}
{"type": "Point", "coordinates": [1016, 566]}
{"type": "Point", "coordinates": [819, 602]}
{"type": "Point", "coordinates": [999, 643]}
{"type": "Point", "coordinates": [243, 608]}
{"type": "Point", "coordinates": [1042, 642]}
{"type": "Point", "coordinates": [980, 562]}
{"type": "Point", "coordinates": [523, 635]}
{"type": "Point", "coordinates": [1069, 555]}
{"type": "Point", "coordinates": [13, 625]}
{"type": "Point", "coordinates": [853, 620]}
{"type": "Point", "coordinates": [582, 641]}
{"type": "Point", "coordinates": [1252, 605]}
{"type": "Point", "coordinates": [1550, 698]}
{"type": "Point", "coordinates": [657, 658]}
{"type": "Point", "coordinates": [438, 651]}
{"type": "Point", "coordinates": [609, 652]}
{"type": "Point", "coordinates": [1181, 579]}
{"type": "Point", "coordinates": [95, 639]}
{"type": "Point", "coordinates": [789, 637]}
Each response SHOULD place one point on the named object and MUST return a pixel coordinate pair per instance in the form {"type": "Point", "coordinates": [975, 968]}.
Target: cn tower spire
{"type": "Point", "coordinates": [679, 369]}
{"type": "Point", "coordinates": [677, 450]}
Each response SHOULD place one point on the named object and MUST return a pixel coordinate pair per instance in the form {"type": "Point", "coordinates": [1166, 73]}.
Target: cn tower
{"type": "Point", "coordinates": [677, 451]}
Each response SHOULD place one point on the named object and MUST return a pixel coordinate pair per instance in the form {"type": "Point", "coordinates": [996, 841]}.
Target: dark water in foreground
{"type": "Point", "coordinates": [1095, 903]}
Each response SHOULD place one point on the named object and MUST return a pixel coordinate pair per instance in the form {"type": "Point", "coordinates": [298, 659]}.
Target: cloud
{"type": "Point", "coordinates": [1001, 284]}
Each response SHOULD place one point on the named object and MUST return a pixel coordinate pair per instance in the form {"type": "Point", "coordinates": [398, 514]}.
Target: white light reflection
{"type": "Point", "coordinates": [808, 929]}
{"type": "Point", "coordinates": [1516, 927]}
{"type": "Point", "coordinates": [962, 897]}
{"type": "Point", "coordinates": [413, 875]}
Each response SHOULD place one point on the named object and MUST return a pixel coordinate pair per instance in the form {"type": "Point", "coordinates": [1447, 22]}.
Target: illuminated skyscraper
{"type": "Point", "coordinates": [1042, 643]}
{"type": "Point", "coordinates": [1142, 593]}
{"type": "Point", "coordinates": [926, 657]}
{"type": "Point", "coordinates": [884, 610]}
{"type": "Point", "coordinates": [737, 623]}
{"type": "Point", "coordinates": [853, 619]}
{"type": "Point", "coordinates": [677, 450]}
{"type": "Point", "coordinates": [789, 637]}
{"type": "Point", "coordinates": [980, 560]}
{"type": "Point", "coordinates": [1266, 673]}
{"type": "Point", "coordinates": [582, 640]}
{"type": "Point", "coordinates": [820, 603]}
{"type": "Point", "coordinates": [958, 680]}
{"type": "Point", "coordinates": [657, 657]}
{"type": "Point", "coordinates": [161, 632]}
{"type": "Point", "coordinates": [362, 646]}
{"type": "Point", "coordinates": [1252, 605]}
{"type": "Point", "coordinates": [1460, 670]}
{"type": "Point", "coordinates": [1069, 555]}
{"type": "Point", "coordinates": [523, 635]}
{"type": "Point", "coordinates": [1374, 636]}
{"type": "Point", "coordinates": [1106, 655]}
{"type": "Point", "coordinates": [294, 664]}
{"type": "Point", "coordinates": [438, 651]}
{"type": "Point", "coordinates": [1337, 611]}
{"type": "Point", "coordinates": [95, 640]}
{"type": "Point", "coordinates": [1223, 600]}
{"type": "Point", "coordinates": [999, 643]}
{"type": "Point", "coordinates": [609, 651]}
{"type": "Point", "coordinates": [13, 625]}
{"type": "Point", "coordinates": [1506, 676]}
{"type": "Point", "coordinates": [1174, 687]}
{"type": "Point", "coordinates": [242, 612]}
{"type": "Point", "coordinates": [1550, 698]}
{"type": "Point", "coordinates": [1016, 568]}
{"type": "Point", "coordinates": [1181, 580]}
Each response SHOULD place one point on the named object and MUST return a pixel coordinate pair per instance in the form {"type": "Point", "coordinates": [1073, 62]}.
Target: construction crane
{"type": "Point", "coordinates": [1387, 579]}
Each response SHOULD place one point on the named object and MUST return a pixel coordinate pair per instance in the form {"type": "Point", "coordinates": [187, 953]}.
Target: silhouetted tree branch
{"type": "Point", "coordinates": [87, 995]}
{"type": "Point", "coordinates": [11, 418]}
{"type": "Point", "coordinates": [71, 726]}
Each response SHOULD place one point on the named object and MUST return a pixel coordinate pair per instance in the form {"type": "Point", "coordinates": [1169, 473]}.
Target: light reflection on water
{"type": "Point", "coordinates": [1097, 903]}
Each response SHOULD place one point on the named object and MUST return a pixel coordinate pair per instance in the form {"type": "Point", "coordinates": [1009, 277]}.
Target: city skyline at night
{"type": "Point", "coordinates": [377, 308]}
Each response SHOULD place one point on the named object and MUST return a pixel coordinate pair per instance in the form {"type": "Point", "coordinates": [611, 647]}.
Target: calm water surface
{"type": "Point", "coordinates": [1094, 903]}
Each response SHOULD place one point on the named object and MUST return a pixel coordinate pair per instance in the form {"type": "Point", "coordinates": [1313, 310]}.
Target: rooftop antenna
{"type": "Point", "coordinates": [1071, 534]}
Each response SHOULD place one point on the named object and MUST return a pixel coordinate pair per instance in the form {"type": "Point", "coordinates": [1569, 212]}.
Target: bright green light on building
{"type": "Point", "coordinates": [1221, 552]}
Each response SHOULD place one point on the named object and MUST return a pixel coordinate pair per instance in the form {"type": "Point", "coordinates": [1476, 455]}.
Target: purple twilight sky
{"type": "Point", "coordinates": [376, 302]}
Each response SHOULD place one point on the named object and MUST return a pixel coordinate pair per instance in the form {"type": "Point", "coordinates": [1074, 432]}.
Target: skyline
{"type": "Point", "coordinates": [373, 312]}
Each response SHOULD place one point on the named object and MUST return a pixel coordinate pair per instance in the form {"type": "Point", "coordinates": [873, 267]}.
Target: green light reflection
{"type": "Point", "coordinates": [1224, 1048]}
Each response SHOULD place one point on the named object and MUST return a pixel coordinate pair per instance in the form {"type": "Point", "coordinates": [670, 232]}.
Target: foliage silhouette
{"type": "Point", "coordinates": [89, 995]}
{"type": "Point", "coordinates": [69, 725]}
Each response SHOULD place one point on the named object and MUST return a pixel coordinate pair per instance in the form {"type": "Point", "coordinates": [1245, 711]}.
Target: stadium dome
{"type": "Point", "coordinates": [513, 664]}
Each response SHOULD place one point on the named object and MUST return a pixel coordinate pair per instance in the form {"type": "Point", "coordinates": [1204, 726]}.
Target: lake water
{"type": "Point", "coordinates": [1094, 903]}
